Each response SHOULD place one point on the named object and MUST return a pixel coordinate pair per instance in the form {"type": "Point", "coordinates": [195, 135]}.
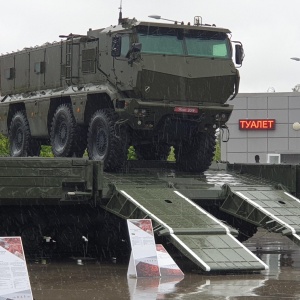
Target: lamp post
{"type": "Point", "coordinates": [160, 18]}
{"type": "Point", "coordinates": [297, 87]}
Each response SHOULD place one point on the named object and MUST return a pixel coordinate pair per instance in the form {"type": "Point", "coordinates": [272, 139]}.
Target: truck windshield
{"type": "Point", "coordinates": [180, 42]}
{"type": "Point", "coordinates": [161, 44]}
{"type": "Point", "coordinates": [207, 47]}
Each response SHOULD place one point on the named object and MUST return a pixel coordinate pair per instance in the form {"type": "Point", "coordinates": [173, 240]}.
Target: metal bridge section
{"type": "Point", "coordinates": [202, 238]}
{"type": "Point", "coordinates": [28, 180]}
{"type": "Point", "coordinates": [265, 206]}
{"type": "Point", "coordinates": [263, 195]}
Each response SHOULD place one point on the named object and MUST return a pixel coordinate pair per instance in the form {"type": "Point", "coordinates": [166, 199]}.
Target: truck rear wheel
{"type": "Point", "coordinates": [104, 143]}
{"type": "Point", "coordinates": [63, 131]}
{"type": "Point", "coordinates": [20, 141]}
{"type": "Point", "coordinates": [196, 155]}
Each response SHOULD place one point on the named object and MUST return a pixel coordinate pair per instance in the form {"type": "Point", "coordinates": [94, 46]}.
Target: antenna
{"type": "Point", "coordinates": [120, 13]}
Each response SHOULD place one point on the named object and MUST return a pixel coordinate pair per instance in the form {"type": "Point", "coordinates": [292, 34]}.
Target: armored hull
{"type": "Point", "coordinates": [150, 85]}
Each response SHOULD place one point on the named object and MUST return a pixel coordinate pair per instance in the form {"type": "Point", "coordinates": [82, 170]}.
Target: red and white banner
{"type": "Point", "coordinates": [143, 259]}
{"type": "Point", "coordinates": [167, 265]}
{"type": "Point", "coordinates": [148, 259]}
{"type": "Point", "coordinates": [14, 279]}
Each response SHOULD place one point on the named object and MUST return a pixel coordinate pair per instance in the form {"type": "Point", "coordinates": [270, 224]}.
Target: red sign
{"type": "Point", "coordinates": [187, 110]}
{"type": "Point", "coordinates": [257, 124]}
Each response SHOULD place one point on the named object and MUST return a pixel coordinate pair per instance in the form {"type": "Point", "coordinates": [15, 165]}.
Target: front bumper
{"type": "Point", "coordinates": [141, 115]}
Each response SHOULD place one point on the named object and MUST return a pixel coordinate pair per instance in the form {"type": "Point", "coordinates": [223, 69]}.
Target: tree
{"type": "Point", "coordinates": [46, 151]}
{"type": "Point", "coordinates": [217, 156]}
{"type": "Point", "coordinates": [131, 154]}
{"type": "Point", "coordinates": [171, 156]}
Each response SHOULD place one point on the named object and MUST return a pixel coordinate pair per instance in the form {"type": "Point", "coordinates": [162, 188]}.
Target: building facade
{"type": "Point", "coordinates": [263, 128]}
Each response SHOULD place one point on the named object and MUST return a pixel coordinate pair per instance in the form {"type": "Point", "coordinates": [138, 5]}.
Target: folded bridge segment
{"type": "Point", "coordinates": [264, 206]}
{"type": "Point", "coordinates": [202, 238]}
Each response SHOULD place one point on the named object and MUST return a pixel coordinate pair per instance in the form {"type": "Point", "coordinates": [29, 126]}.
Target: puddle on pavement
{"type": "Point", "coordinates": [92, 280]}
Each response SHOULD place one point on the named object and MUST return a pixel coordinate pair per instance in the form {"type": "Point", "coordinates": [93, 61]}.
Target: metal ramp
{"type": "Point", "coordinates": [267, 207]}
{"type": "Point", "coordinates": [198, 235]}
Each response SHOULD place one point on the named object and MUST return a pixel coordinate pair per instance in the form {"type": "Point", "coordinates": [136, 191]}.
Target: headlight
{"type": "Point", "coordinates": [140, 112]}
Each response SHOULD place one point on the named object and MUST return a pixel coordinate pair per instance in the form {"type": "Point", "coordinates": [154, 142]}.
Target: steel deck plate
{"type": "Point", "coordinates": [198, 235]}
{"type": "Point", "coordinates": [267, 207]}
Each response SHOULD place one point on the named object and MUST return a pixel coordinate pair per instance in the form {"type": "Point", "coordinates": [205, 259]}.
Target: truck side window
{"type": "Point", "coordinates": [125, 45]}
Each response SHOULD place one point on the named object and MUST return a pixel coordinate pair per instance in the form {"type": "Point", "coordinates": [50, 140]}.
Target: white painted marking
{"type": "Point", "coordinates": [291, 196]}
{"type": "Point", "coordinates": [223, 225]}
{"type": "Point", "coordinates": [296, 199]}
{"type": "Point", "coordinates": [266, 212]}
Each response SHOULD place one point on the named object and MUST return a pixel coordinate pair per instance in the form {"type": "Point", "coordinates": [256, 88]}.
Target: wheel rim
{"type": "Point", "coordinates": [18, 140]}
{"type": "Point", "coordinates": [104, 143]}
{"type": "Point", "coordinates": [61, 135]}
{"type": "Point", "coordinates": [101, 140]}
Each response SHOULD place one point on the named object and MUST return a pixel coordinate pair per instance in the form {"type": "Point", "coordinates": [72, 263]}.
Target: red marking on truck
{"type": "Point", "coordinates": [187, 110]}
{"type": "Point", "coordinates": [257, 124]}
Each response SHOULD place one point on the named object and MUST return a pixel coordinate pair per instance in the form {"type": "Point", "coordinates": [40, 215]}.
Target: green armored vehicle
{"type": "Point", "coordinates": [146, 84]}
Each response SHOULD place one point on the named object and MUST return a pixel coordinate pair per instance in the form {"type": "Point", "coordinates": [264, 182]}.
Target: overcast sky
{"type": "Point", "coordinates": [268, 29]}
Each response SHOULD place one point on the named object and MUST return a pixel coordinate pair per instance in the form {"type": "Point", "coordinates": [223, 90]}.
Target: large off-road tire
{"type": "Point", "coordinates": [196, 155]}
{"type": "Point", "coordinates": [20, 141]}
{"type": "Point", "coordinates": [105, 142]}
{"type": "Point", "coordinates": [152, 151]}
{"type": "Point", "coordinates": [63, 131]}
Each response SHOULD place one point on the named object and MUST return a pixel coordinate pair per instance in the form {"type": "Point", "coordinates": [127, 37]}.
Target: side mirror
{"type": "Point", "coordinates": [239, 54]}
{"type": "Point", "coordinates": [116, 46]}
{"type": "Point", "coordinates": [136, 47]}
{"type": "Point", "coordinates": [133, 53]}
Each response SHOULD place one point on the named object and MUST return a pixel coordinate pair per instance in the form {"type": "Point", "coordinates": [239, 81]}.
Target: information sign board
{"type": "Point", "coordinates": [14, 279]}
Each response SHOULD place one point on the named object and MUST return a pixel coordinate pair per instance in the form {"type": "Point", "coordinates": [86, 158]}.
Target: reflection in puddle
{"type": "Point", "coordinates": [152, 288]}
{"type": "Point", "coordinates": [99, 281]}
{"type": "Point", "coordinates": [281, 281]}
{"type": "Point", "coordinates": [183, 288]}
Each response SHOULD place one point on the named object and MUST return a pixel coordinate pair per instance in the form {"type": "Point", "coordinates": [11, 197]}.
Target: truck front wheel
{"type": "Point", "coordinates": [104, 142]}
{"type": "Point", "coordinates": [63, 131]}
{"type": "Point", "coordinates": [196, 155]}
{"type": "Point", "coordinates": [20, 141]}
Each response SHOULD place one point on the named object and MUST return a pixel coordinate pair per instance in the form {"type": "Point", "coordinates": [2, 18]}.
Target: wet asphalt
{"type": "Point", "coordinates": [69, 280]}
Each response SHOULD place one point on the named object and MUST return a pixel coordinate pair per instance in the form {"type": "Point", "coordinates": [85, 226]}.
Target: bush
{"type": "Point", "coordinates": [4, 147]}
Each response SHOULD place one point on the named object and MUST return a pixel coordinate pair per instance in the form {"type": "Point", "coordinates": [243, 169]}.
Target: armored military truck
{"type": "Point", "coordinates": [147, 84]}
